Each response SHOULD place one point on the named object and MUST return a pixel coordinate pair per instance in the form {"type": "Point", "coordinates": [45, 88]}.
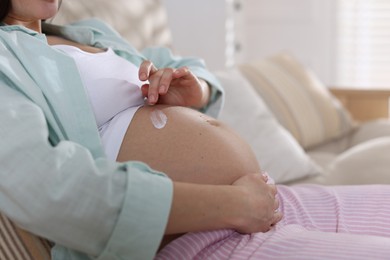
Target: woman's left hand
{"type": "Point", "coordinates": [171, 86]}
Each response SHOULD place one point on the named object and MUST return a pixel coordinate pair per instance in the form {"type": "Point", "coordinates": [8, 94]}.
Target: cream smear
{"type": "Point", "coordinates": [159, 118]}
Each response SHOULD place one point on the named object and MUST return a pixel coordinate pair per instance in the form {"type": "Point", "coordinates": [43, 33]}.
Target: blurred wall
{"type": "Point", "coordinates": [306, 28]}
{"type": "Point", "coordinates": [198, 29]}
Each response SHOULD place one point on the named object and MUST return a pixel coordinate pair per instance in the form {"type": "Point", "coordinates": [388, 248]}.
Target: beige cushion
{"type": "Point", "coordinates": [276, 150]}
{"type": "Point", "coordinates": [298, 99]}
{"type": "Point", "coordinates": [370, 130]}
{"type": "Point", "coordinates": [143, 23]}
{"type": "Point", "coordinates": [16, 243]}
{"type": "Point", "coordinates": [365, 163]}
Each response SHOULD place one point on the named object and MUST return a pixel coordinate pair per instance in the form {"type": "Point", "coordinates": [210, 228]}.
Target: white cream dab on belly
{"type": "Point", "coordinates": [158, 118]}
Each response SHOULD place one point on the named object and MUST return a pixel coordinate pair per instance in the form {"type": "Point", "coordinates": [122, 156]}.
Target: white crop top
{"type": "Point", "coordinates": [111, 82]}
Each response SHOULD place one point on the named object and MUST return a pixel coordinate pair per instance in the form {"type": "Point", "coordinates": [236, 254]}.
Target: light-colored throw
{"type": "Point", "coordinates": [319, 222]}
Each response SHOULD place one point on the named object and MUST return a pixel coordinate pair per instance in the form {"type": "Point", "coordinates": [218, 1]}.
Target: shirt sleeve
{"type": "Point", "coordinates": [94, 207]}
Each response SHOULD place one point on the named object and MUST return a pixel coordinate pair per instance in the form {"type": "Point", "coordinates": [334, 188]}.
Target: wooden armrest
{"type": "Point", "coordinates": [364, 104]}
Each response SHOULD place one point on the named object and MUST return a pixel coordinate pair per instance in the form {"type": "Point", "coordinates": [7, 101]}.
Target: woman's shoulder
{"type": "Point", "coordinates": [96, 24]}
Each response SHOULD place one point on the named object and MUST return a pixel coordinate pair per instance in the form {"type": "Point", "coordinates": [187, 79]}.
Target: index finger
{"type": "Point", "coordinates": [146, 68]}
{"type": "Point", "coordinates": [181, 72]}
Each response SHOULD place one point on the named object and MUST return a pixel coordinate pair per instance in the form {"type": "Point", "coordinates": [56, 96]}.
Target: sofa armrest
{"type": "Point", "coordinates": [364, 104]}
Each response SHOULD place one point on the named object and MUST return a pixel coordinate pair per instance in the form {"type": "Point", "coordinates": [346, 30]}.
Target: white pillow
{"type": "Point", "coordinates": [276, 149]}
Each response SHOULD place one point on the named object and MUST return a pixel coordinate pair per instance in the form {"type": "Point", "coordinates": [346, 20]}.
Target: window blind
{"type": "Point", "coordinates": [363, 53]}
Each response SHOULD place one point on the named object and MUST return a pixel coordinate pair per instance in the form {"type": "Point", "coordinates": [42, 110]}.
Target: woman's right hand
{"type": "Point", "coordinates": [258, 211]}
{"type": "Point", "coordinates": [173, 86]}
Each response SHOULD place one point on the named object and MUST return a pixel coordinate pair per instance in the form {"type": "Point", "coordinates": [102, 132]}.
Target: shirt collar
{"type": "Point", "coordinates": [6, 27]}
{"type": "Point", "coordinates": [80, 34]}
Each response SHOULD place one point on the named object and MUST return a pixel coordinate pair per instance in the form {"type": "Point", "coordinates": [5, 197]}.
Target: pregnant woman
{"type": "Point", "coordinates": [66, 92]}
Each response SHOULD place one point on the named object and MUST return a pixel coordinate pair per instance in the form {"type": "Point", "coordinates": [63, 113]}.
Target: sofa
{"type": "Point", "coordinates": [299, 131]}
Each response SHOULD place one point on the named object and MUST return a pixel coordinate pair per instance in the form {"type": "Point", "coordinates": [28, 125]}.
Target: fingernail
{"type": "Point", "coordinates": [152, 98]}
{"type": "Point", "coordinates": [143, 76]}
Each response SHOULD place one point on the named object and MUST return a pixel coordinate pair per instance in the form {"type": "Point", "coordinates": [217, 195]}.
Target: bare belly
{"type": "Point", "coordinates": [189, 147]}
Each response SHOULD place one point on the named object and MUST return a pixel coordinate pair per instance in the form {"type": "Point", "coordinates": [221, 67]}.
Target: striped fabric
{"type": "Point", "coordinates": [301, 103]}
{"type": "Point", "coordinates": [19, 244]}
{"type": "Point", "coordinates": [342, 222]}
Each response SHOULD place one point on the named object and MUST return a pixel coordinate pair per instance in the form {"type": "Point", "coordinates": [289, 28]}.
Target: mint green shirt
{"type": "Point", "coordinates": [55, 179]}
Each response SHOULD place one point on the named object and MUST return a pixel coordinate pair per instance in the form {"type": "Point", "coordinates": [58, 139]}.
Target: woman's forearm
{"type": "Point", "coordinates": [202, 207]}
{"type": "Point", "coordinates": [247, 206]}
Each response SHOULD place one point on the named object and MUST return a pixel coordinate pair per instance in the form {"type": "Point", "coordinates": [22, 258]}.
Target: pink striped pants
{"type": "Point", "coordinates": [341, 222]}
